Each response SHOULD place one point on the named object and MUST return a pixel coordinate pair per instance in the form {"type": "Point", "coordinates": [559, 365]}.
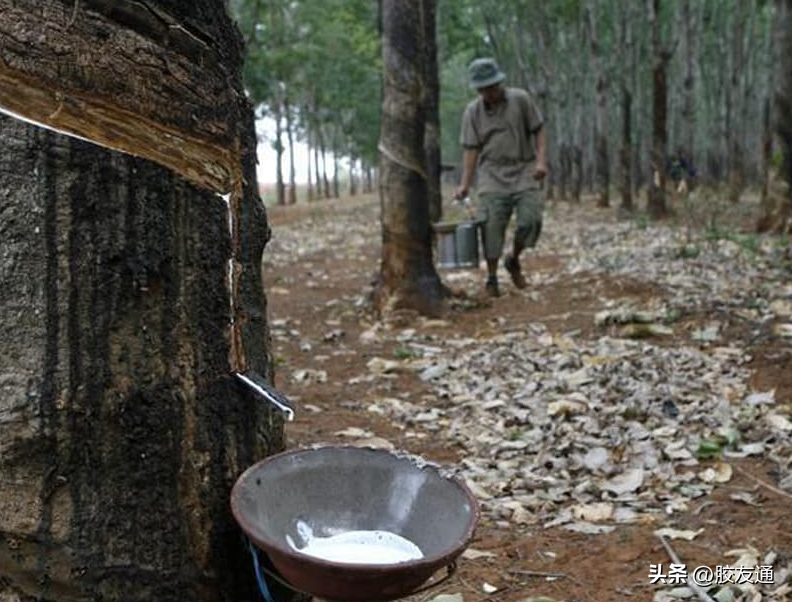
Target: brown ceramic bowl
{"type": "Point", "coordinates": [335, 489]}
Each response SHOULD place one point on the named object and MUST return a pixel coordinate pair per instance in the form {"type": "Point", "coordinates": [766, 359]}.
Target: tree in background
{"type": "Point", "coordinates": [126, 302]}
{"type": "Point", "coordinates": [408, 279]}
{"type": "Point", "coordinates": [316, 66]}
{"type": "Point", "coordinates": [432, 113]}
{"type": "Point", "coordinates": [712, 55]}
{"type": "Point", "coordinates": [778, 206]}
{"type": "Point", "coordinates": [661, 55]}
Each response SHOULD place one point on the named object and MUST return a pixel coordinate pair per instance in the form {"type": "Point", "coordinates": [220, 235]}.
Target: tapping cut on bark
{"type": "Point", "coordinates": [125, 75]}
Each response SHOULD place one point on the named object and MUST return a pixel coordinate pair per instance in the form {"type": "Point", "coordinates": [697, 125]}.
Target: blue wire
{"type": "Point", "coordinates": [259, 577]}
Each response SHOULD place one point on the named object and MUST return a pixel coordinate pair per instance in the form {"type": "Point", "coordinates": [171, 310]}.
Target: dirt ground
{"type": "Point", "coordinates": [321, 294]}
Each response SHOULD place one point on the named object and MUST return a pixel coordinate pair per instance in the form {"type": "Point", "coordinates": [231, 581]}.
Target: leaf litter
{"type": "Point", "coordinates": [586, 434]}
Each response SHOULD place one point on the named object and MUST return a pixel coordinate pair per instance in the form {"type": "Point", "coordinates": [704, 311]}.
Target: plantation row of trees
{"type": "Point", "coordinates": [314, 69]}
{"type": "Point", "coordinates": [611, 75]}
{"type": "Point", "coordinates": [625, 86]}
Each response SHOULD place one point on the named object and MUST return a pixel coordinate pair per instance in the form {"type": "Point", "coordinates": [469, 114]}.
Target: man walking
{"type": "Point", "coordinates": [504, 144]}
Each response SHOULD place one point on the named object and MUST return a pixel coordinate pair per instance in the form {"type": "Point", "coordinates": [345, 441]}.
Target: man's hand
{"type": "Point", "coordinates": [461, 193]}
{"type": "Point", "coordinates": [540, 171]}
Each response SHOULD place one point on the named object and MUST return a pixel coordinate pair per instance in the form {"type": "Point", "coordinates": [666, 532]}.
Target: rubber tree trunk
{"type": "Point", "coordinates": [121, 431]}
{"type": "Point", "coordinates": [318, 178]}
{"type": "Point", "coordinates": [660, 56]}
{"type": "Point", "coordinates": [736, 131]}
{"type": "Point", "coordinates": [601, 163]}
{"type": "Point", "coordinates": [626, 152]}
{"type": "Point", "coordinates": [323, 148]}
{"type": "Point", "coordinates": [309, 183]}
{"type": "Point", "coordinates": [432, 108]}
{"type": "Point", "coordinates": [353, 188]}
{"type": "Point", "coordinates": [280, 186]}
{"type": "Point", "coordinates": [336, 180]}
{"type": "Point", "coordinates": [691, 17]}
{"type": "Point", "coordinates": [408, 278]}
{"type": "Point", "coordinates": [767, 123]}
{"type": "Point", "coordinates": [778, 210]}
{"type": "Point", "coordinates": [292, 196]}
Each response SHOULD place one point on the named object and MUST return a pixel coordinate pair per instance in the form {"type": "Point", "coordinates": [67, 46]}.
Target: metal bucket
{"type": "Point", "coordinates": [466, 238]}
{"type": "Point", "coordinates": [446, 245]}
{"type": "Point", "coordinates": [457, 244]}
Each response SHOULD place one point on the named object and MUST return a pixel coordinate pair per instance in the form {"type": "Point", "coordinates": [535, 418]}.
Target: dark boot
{"type": "Point", "coordinates": [492, 287]}
{"type": "Point", "coordinates": [512, 266]}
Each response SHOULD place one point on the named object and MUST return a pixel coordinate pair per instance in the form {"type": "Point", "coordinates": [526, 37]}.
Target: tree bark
{"type": "Point", "coordinates": [690, 22]}
{"type": "Point", "coordinates": [292, 196]}
{"type": "Point", "coordinates": [736, 131]}
{"type": "Point", "coordinates": [408, 278]}
{"type": "Point", "coordinates": [318, 177]}
{"type": "Point", "coordinates": [778, 210]}
{"type": "Point", "coordinates": [51, 76]}
{"type": "Point", "coordinates": [280, 187]}
{"type": "Point", "coordinates": [353, 189]}
{"type": "Point", "coordinates": [432, 108]}
{"type": "Point", "coordinates": [323, 148]}
{"type": "Point", "coordinates": [125, 306]}
{"type": "Point", "coordinates": [602, 168]}
{"type": "Point", "coordinates": [660, 56]}
{"type": "Point", "coordinates": [311, 197]}
{"type": "Point", "coordinates": [626, 42]}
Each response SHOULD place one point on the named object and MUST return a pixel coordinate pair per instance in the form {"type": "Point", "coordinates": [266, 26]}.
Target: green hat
{"type": "Point", "coordinates": [484, 73]}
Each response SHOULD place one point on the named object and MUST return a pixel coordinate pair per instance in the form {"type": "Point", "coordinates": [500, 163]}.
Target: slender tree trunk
{"type": "Point", "coordinates": [626, 42]}
{"type": "Point", "coordinates": [311, 196]}
{"type": "Point", "coordinates": [408, 278]}
{"type": "Point", "coordinates": [778, 211]}
{"type": "Point", "coordinates": [577, 162]}
{"type": "Point", "coordinates": [690, 23]}
{"type": "Point", "coordinates": [125, 304]}
{"type": "Point", "coordinates": [660, 56]}
{"type": "Point", "coordinates": [578, 135]}
{"type": "Point", "coordinates": [736, 131]}
{"type": "Point", "coordinates": [318, 177]}
{"type": "Point", "coordinates": [336, 182]}
{"type": "Point", "coordinates": [602, 168]}
{"type": "Point", "coordinates": [280, 188]}
{"type": "Point", "coordinates": [292, 197]}
{"type": "Point", "coordinates": [432, 109]}
{"type": "Point", "coordinates": [767, 154]}
{"type": "Point", "coordinates": [767, 129]}
{"type": "Point", "coordinates": [325, 179]}
{"type": "Point", "coordinates": [352, 176]}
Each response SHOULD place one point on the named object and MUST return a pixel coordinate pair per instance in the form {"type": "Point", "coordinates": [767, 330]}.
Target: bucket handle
{"type": "Point", "coordinates": [259, 568]}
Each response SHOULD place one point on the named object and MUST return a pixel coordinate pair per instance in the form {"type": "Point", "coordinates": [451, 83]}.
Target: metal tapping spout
{"type": "Point", "coordinates": [264, 390]}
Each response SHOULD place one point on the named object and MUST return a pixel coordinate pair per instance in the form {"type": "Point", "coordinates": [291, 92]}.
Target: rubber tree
{"type": "Point", "coordinates": [407, 278]}
{"type": "Point", "coordinates": [661, 55]}
{"type": "Point", "coordinates": [777, 208]}
{"type": "Point", "coordinates": [625, 79]}
{"type": "Point", "coordinates": [601, 158]}
{"type": "Point", "coordinates": [130, 290]}
{"type": "Point", "coordinates": [432, 107]}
